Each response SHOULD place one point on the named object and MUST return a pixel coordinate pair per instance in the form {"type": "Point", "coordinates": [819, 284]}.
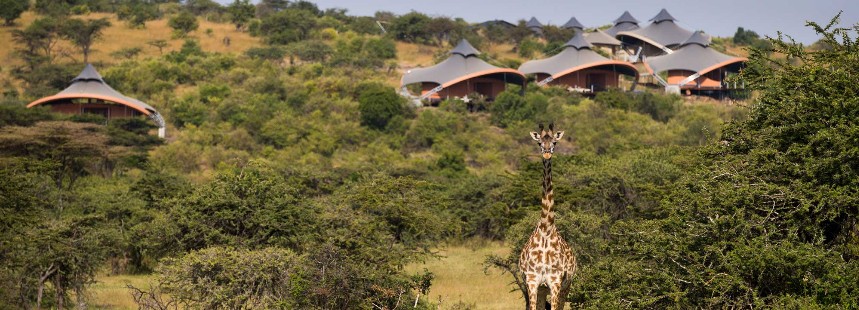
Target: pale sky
{"type": "Point", "coordinates": [716, 17]}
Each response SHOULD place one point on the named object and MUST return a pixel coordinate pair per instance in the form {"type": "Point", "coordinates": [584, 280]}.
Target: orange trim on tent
{"type": "Point", "coordinates": [596, 64]}
{"type": "Point", "coordinates": [77, 96]}
{"type": "Point", "coordinates": [482, 73]}
{"type": "Point", "coordinates": [722, 64]}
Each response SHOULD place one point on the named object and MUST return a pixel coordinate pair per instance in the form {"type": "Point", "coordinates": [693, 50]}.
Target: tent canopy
{"type": "Point", "coordinates": [577, 55]}
{"type": "Point", "coordinates": [694, 55]}
{"type": "Point", "coordinates": [574, 23]}
{"type": "Point", "coordinates": [662, 16]}
{"type": "Point", "coordinates": [598, 37]}
{"type": "Point", "coordinates": [462, 64]}
{"type": "Point", "coordinates": [623, 23]}
{"type": "Point", "coordinates": [534, 23]}
{"type": "Point", "coordinates": [662, 33]}
{"type": "Point", "coordinates": [89, 84]}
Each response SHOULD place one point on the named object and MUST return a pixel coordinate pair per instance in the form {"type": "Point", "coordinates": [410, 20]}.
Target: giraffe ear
{"type": "Point", "coordinates": [558, 135]}
{"type": "Point", "coordinates": [535, 136]}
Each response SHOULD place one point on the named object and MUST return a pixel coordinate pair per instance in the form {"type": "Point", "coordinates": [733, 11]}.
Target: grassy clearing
{"type": "Point", "coordinates": [110, 292]}
{"type": "Point", "coordinates": [120, 36]}
{"type": "Point", "coordinates": [459, 277]}
{"type": "Point", "coordinates": [410, 55]}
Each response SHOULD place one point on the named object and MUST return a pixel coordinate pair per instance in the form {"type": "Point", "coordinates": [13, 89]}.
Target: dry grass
{"type": "Point", "coordinates": [503, 51]}
{"type": "Point", "coordinates": [459, 277]}
{"type": "Point", "coordinates": [110, 292]}
{"type": "Point", "coordinates": [410, 55]}
{"type": "Point", "coordinates": [120, 36]}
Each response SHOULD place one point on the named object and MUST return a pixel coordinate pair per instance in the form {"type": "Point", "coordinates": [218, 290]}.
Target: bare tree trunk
{"type": "Point", "coordinates": [59, 292]}
{"type": "Point", "coordinates": [44, 277]}
{"type": "Point", "coordinates": [81, 298]}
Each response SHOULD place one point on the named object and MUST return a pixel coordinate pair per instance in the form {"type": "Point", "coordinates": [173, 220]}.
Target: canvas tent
{"type": "Point", "coordinates": [598, 38]}
{"type": "Point", "coordinates": [535, 25]}
{"type": "Point", "coordinates": [579, 68]}
{"type": "Point", "coordinates": [660, 37]}
{"type": "Point", "coordinates": [88, 93]}
{"type": "Point", "coordinates": [695, 66]}
{"type": "Point", "coordinates": [461, 74]}
{"type": "Point", "coordinates": [497, 22]}
{"type": "Point", "coordinates": [623, 23]}
{"type": "Point", "coordinates": [574, 24]}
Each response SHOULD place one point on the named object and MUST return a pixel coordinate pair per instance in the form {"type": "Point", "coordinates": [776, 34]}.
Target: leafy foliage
{"type": "Point", "coordinates": [83, 34]}
{"type": "Point", "coordinates": [183, 23]}
{"type": "Point", "coordinates": [241, 12]}
{"type": "Point", "coordinates": [10, 10]}
{"type": "Point", "coordinates": [751, 38]}
{"type": "Point", "coordinates": [287, 26]}
{"type": "Point", "coordinates": [379, 105]}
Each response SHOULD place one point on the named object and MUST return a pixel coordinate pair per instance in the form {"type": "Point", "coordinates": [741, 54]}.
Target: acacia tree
{"type": "Point", "coordinates": [183, 23]}
{"type": "Point", "coordinates": [84, 33]}
{"type": "Point", "coordinates": [10, 10]}
{"type": "Point", "coordinates": [53, 242]}
{"type": "Point", "coordinates": [241, 12]}
{"type": "Point", "coordinates": [69, 146]}
{"type": "Point", "coordinates": [38, 40]}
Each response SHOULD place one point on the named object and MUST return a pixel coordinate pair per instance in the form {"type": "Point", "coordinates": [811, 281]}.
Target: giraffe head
{"type": "Point", "coordinates": [547, 139]}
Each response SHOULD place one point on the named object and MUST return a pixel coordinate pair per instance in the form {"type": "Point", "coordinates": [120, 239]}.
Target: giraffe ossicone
{"type": "Point", "coordinates": [547, 260]}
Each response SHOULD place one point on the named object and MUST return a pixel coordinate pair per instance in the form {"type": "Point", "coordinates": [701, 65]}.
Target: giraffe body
{"type": "Point", "coordinates": [547, 261]}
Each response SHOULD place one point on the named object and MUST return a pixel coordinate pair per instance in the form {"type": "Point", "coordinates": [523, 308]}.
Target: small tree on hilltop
{"type": "Point", "coordinates": [10, 10]}
{"type": "Point", "coordinates": [84, 33]}
{"type": "Point", "coordinates": [241, 11]}
{"type": "Point", "coordinates": [37, 41]}
{"type": "Point", "coordinates": [183, 23]}
{"type": "Point", "coordinates": [159, 44]}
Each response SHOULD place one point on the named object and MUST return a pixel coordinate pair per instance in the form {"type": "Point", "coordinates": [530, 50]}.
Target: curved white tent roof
{"type": "Point", "coordinates": [598, 37]}
{"type": "Point", "coordinates": [623, 23]}
{"type": "Point", "coordinates": [462, 64]}
{"type": "Point", "coordinates": [694, 55]}
{"type": "Point", "coordinates": [662, 33]}
{"type": "Point", "coordinates": [90, 84]}
{"type": "Point", "coordinates": [577, 55]}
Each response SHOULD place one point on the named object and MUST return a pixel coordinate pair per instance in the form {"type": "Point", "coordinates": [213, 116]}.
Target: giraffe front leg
{"type": "Point", "coordinates": [532, 293]}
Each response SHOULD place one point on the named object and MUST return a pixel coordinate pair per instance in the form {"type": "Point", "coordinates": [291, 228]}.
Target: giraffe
{"type": "Point", "coordinates": [547, 262]}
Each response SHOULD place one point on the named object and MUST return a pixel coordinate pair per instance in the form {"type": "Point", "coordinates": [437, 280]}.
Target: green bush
{"type": "Point", "coordinates": [660, 107]}
{"type": "Point", "coordinates": [10, 10]}
{"type": "Point", "coordinates": [237, 278]}
{"type": "Point", "coordinates": [183, 23]}
{"type": "Point", "coordinates": [379, 104]}
{"type": "Point", "coordinates": [287, 26]}
{"type": "Point", "coordinates": [510, 107]}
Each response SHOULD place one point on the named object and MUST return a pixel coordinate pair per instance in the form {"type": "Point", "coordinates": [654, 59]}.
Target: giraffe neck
{"type": "Point", "coordinates": [547, 214]}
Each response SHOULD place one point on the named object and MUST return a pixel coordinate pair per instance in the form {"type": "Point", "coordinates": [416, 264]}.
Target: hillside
{"type": "Point", "coordinates": [120, 36]}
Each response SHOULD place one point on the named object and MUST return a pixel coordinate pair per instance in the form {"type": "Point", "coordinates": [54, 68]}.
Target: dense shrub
{"type": "Point", "coordinates": [183, 23]}
{"type": "Point", "coordinates": [660, 107]}
{"type": "Point", "coordinates": [287, 26]}
{"type": "Point", "coordinates": [510, 107]}
{"type": "Point", "coordinates": [378, 105]}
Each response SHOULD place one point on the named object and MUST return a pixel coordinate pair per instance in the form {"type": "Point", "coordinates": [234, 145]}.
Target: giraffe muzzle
{"type": "Point", "coordinates": [547, 155]}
